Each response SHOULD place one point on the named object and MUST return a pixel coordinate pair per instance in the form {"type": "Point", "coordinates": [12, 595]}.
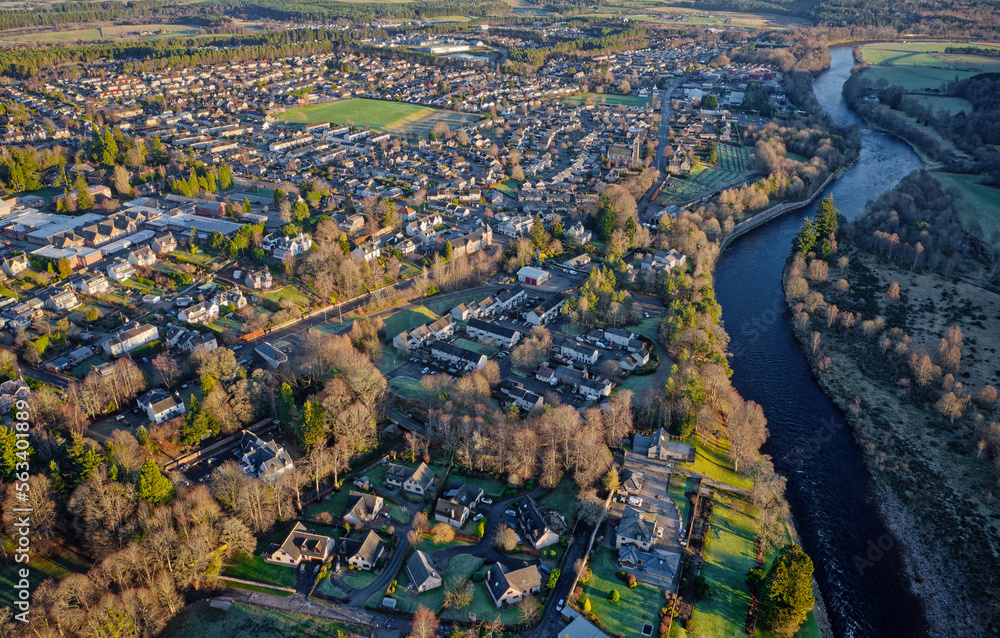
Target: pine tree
{"type": "Point", "coordinates": [311, 426]}
{"type": "Point", "coordinates": [805, 240]}
{"type": "Point", "coordinates": [84, 200]}
{"type": "Point", "coordinates": [225, 177]}
{"type": "Point", "coordinates": [286, 405]}
{"type": "Point", "coordinates": [210, 182]}
{"type": "Point", "coordinates": [449, 250]}
{"type": "Point", "coordinates": [345, 245]}
{"type": "Point", "coordinates": [153, 487]}
{"type": "Point", "coordinates": [607, 219]}
{"type": "Point", "coordinates": [826, 227]}
{"type": "Point", "coordinates": [786, 594]}
{"type": "Point", "coordinates": [109, 150]}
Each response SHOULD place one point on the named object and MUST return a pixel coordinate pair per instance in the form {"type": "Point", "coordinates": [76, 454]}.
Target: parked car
{"type": "Point", "coordinates": [477, 517]}
{"type": "Point", "coordinates": [486, 500]}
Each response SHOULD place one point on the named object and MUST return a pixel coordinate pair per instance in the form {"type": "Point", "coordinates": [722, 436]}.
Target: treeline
{"type": "Point", "coordinates": [321, 11]}
{"type": "Point", "coordinates": [610, 41]}
{"type": "Point", "coordinates": [84, 12]}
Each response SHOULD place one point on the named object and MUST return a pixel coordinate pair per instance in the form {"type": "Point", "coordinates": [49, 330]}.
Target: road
{"type": "Point", "coordinates": [664, 125]}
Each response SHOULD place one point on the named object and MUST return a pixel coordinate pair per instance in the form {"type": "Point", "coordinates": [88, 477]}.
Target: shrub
{"type": "Point", "coordinates": [614, 596]}
{"type": "Point", "coordinates": [324, 517]}
{"type": "Point", "coordinates": [586, 605]}
{"type": "Point", "coordinates": [632, 582]}
{"type": "Point", "coordinates": [478, 577]}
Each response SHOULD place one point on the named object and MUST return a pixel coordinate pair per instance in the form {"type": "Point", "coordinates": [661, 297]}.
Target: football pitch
{"type": "Point", "coordinates": [389, 117]}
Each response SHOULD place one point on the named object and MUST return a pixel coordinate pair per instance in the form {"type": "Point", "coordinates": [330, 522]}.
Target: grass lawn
{"type": "Point", "coordinates": [376, 114]}
{"type": "Point", "coordinates": [427, 544]}
{"type": "Point", "coordinates": [257, 588]}
{"type": "Point", "coordinates": [327, 588]}
{"type": "Point", "coordinates": [409, 269]}
{"type": "Point", "coordinates": [638, 383]}
{"type": "Point", "coordinates": [103, 430]}
{"type": "Point", "coordinates": [61, 563]}
{"type": "Point", "coordinates": [334, 504]}
{"type": "Point", "coordinates": [491, 489]}
{"type": "Point", "coordinates": [391, 359]}
{"type": "Point", "coordinates": [649, 327]}
{"type": "Point", "coordinates": [637, 606]}
{"type": "Point", "coordinates": [712, 462]}
{"type": "Point", "coordinates": [980, 209]}
{"type": "Point", "coordinates": [400, 514]}
{"type": "Point", "coordinates": [256, 568]}
{"type": "Point", "coordinates": [408, 388]}
{"type": "Point", "coordinates": [83, 368]}
{"type": "Point", "coordinates": [679, 486]}
{"type": "Point", "coordinates": [475, 346]}
{"type": "Point", "coordinates": [408, 320]}
{"type": "Point", "coordinates": [359, 579]}
{"type": "Point", "coordinates": [460, 567]}
{"type": "Point", "coordinates": [610, 99]}
{"type": "Point", "coordinates": [562, 498]}
{"type": "Point", "coordinates": [289, 292]}
{"type": "Point", "coordinates": [443, 306]}
{"type": "Point", "coordinates": [199, 620]}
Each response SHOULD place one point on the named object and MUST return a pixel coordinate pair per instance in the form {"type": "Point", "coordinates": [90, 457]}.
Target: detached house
{"type": "Point", "coordinates": [265, 461]}
{"type": "Point", "coordinates": [532, 524]}
{"type": "Point", "coordinates": [159, 405]}
{"type": "Point", "coordinates": [423, 575]}
{"type": "Point", "coordinates": [508, 585]}
{"type": "Point", "coordinates": [130, 339]}
{"type": "Point", "coordinates": [121, 271]}
{"type": "Point", "coordinates": [204, 312]}
{"type": "Point", "coordinates": [637, 528]}
{"type": "Point", "coordinates": [143, 256]}
{"type": "Point", "coordinates": [15, 265]}
{"type": "Point", "coordinates": [164, 244]}
{"type": "Point", "coordinates": [259, 280]}
{"type": "Point", "coordinates": [362, 553]}
{"type": "Point", "coordinates": [418, 480]}
{"type": "Point", "coordinates": [300, 546]}
{"type": "Point", "coordinates": [362, 508]}
{"type": "Point", "coordinates": [457, 503]}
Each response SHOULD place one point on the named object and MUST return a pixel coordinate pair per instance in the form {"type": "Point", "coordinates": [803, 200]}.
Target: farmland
{"type": "Point", "coordinates": [979, 209]}
{"type": "Point", "coordinates": [923, 66]}
{"type": "Point", "coordinates": [389, 117]}
{"type": "Point", "coordinates": [111, 33]}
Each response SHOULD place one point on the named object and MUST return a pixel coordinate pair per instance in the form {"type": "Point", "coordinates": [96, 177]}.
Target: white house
{"type": "Point", "coordinates": [121, 271]}
{"type": "Point", "coordinates": [161, 406]}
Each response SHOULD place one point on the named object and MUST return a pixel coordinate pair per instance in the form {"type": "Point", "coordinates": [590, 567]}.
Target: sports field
{"type": "Point", "coordinates": [389, 117]}
{"type": "Point", "coordinates": [610, 99]}
{"type": "Point", "coordinates": [979, 208]}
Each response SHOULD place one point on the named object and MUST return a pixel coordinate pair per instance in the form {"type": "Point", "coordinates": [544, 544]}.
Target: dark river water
{"type": "Point", "coordinates": [858, 566]}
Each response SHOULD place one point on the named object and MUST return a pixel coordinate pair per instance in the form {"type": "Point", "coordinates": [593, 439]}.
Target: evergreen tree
{"type": "Point", "coordinates": [300, 211]}
{"type": "Point", "coordinates": [246, 206]}
{"type": "Point", "coordinates": [826, 227]}
{"type": "Point", "coordinates": [225, 177]}
{"type": "Point", "coordinates": [153, 487]}
{"type": "Point", "coordinates": [84, 200]}
{"type": "Point", "coordinates": [109, 149]}
{"type": "Point", "coordinates": [607, 219]}
{"type": "Point", "coordinates": [345, 245]}
{"type": "Point", "coordinates": [8, 453]}
{"type": "Point", "coordinates": [210, 182]}
{"type": "Point", "coordinates": [311, 425]}
{"type": "Point", "coordinates": [286, 405]}
{"type": "Point", "coordinates": [786, 595]}
{"type": "Point", "coordinates": [449, 250]}
{"type": "Point", "coordinates": [805, 240]}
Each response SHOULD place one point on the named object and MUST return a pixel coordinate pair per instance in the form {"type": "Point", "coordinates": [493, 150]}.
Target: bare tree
{"type": "Point", "coordinates": [747, 429]}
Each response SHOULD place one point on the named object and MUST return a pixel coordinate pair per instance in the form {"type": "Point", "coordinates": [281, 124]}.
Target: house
{"type": "Point", "coordinates": [265, 461]}
{"type": "Point", "coordinates": [656, 567]}
{"type": "Point", "coordinates": [464, 359]}
{"type": "Point", "coordinates": [580, 353]}
{"type": "Point", "coordinates": [282, 247]}
{"type": "Point", "coordinates": [15, 265]}
{"type": "Point", "coordinates": [418, 480]}
{"type": "Point", "coordinates": [584, 384]}
{"type": "Point", "coordinates": [121, 271]}
{"type": "Point", "coordinates": [618, 336]}
{"type": "Point", "coordinates": [203, 312]}
{"type": "Point", "coordinates": [362, 508]}
{"type": "Point", "coordinates": [532, 276]}
{"type": "Point", "coordinates": [300, 546]}
{"type": "Point", "coordinates": [363, 553]}
{"type": "Point", "coordinates": [271, 355]}
{"type": "Point", "coordinates": [95, 284]}
{"type": "Point", "coordinates": [164, 244]}
{"type": "Point", "coordinates": [632, 481]}
{"type": "Point", "coordinates": [532, 524]}
{"type": "Point", "coordinates": [462, 312]}
{"type": "Point", "coordinates": [508, 585]}
{"type": "Point", "coordinates": [259, 280]}
{"type": "Point", "coordinates": [142, 256]}
{"type": "Point", "coordinates": [423, 576]}
{"type": "Point", "coordinates": [456, 504]}
{"type": "Point", "coordinates": [367, 251]}
{"type": "Point", "coordinates": [637, 528]}
{"type": "Point", "coordinates": [130, 339]}
{"type": "Point", "coordinates": [520, 396]}
{"type": "Point", "coordinates": [582, 235]}
{"type": "Point", "coordinates": [442, 328]}
{"type": "Point", "coordinates": [546, 311]}
{"type": "Point", "coordinates": [659, 446]}
{"type": "Point", "coordinates": [191, 341]}
{"type": "Point", "coordinates": [60, 300]}
{"type": "Point", "coordinates": [161, 406]}
{"type": "Point", "coordinates": [484, 330]}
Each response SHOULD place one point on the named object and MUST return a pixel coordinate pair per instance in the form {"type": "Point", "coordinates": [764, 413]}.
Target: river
{"type": "Point", "coordinates": [858, 566]}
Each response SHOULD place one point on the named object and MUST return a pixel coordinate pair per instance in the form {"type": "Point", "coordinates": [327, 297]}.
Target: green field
{"type": "Point", "coordinates": [921, 54]}
{"type": "Point", "coordinates": [256, 568]}
{"type": "Point", "coordinates": [390, 117]}
{"type": "Point", "coordinates": [979, 208]}
{"type": "Point", "coordinates": [923, 66]}
{"type": "Point", "coordinates": [62, 563]}
{"type": "Point", "coordinates": [408, 320]}
{"type": "Point", "coordinates": [110, 33]}
{"type": "Point", "coordinates": [475, 346]}
{"type": "Point", "coordinates": [711, 461]}
{"type": "Point", "coordinates": [610, 99]}
{"type": "Point", "coordinates": [199, 620]}
{"type": "Point", "coordinates": [288, 292]}
{"type": "Point", "coordinates": [636, 607]}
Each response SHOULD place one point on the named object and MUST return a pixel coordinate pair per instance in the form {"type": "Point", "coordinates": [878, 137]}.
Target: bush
{"type": "Point", "coordinates": [586, 606]}
{"type": "Point", "coordinates": [614, 596]}
{"type": "Point", "coordinates": [478, 577]}
{"type": "Point", "coordinates": [632, 582]}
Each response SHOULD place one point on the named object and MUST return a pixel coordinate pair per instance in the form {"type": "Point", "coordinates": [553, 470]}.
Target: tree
{"type": "Point", "coordinates": [153, 487]}
{"type": "Point", "coordinates": [449, 250]}
{"type": "Point", "coordinates": [123, 186]}
{"type": "Point", "coordinates": [528, 609]}
{"type": "Point", "coordinates": [747, 429]}
{"type": "Point", "coordinates": [443, 533]}
{"type": "Point", "coordinates": [166, 370]}
{"type": "Point", "coordinates": [553, 578]}
{"type": "Point", "coordinates": [614, 596]}
{"type": "Point", "coordinates": [226, 179]}
{"type": "Point", "coordinates": [506, 538]}
{"type": "Point", "coordinates": [481, 528]}
{"type": "Point", "coordinates": [709, 102]}
{"type": "Point", "coordinates": [424, 624]}
{"type": "Point", "coordinates": [612, 482]}
{"type": "Point", "coordinates": [84, 200]}
{"type": "Point", "coordinates": [586, 605]}
{"type": "Point", "coordinates": [786, 594]}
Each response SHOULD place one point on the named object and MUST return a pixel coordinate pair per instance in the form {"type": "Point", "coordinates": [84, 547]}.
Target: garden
{"type": "Point", "coordinates": [634, 606]}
